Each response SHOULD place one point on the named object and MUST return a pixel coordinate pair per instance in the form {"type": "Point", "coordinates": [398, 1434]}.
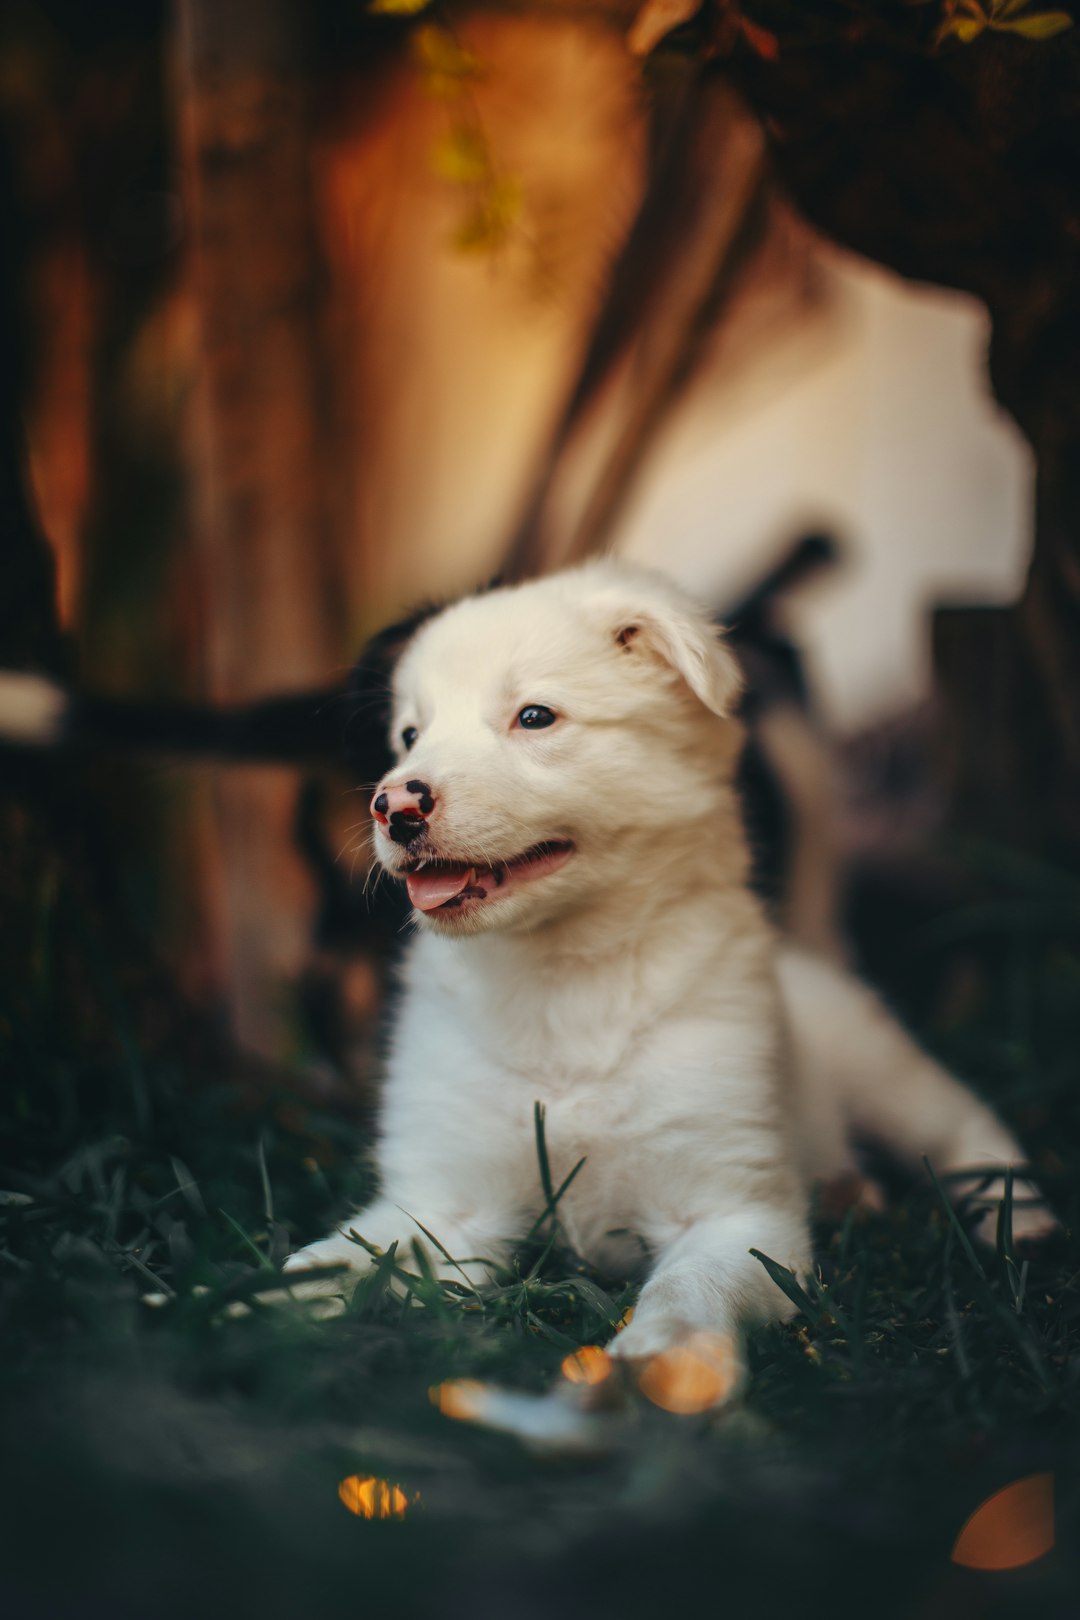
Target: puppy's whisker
{"type": "Point", "coordinates": [356, 826]}
{"type": "Point", "coordinates": [350, 844]}
{"type": "Point", "coordinates": [358, 851]}
{"type": "Point", "coordinates": [372, 877]}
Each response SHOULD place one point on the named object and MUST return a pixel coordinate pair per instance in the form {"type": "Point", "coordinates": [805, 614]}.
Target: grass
{"type": "Point", "coordinates": [184, 1457]}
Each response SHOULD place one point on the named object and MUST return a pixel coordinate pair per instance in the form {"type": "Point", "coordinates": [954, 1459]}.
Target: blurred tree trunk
{"type": "Point", "coordinates": [30, 633]}
{"type": "Point", "coordinates": [273, 606]}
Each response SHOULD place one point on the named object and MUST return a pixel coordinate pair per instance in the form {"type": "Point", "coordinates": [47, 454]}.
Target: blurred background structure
{"type": "Point", "coordinates": [314, 312]}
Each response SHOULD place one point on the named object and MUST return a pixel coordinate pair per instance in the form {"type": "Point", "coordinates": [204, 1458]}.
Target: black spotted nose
{"type": "Point", "coordinates": [403, 809]}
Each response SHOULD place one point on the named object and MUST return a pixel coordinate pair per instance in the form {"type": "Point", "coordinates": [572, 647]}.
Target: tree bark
{"type": "Point", "coordinates": [273, 604]}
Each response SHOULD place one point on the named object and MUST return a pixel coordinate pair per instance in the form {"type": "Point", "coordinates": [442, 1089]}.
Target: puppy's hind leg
{"type": "Point", "coordinates": [855, 1063]}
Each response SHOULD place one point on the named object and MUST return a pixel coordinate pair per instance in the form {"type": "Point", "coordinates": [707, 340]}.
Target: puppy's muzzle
{"type": "Point", "coordinates": [403, 809]}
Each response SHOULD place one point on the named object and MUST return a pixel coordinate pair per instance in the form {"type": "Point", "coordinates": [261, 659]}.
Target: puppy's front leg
{"type": "Point", "coordinates": [706, 1285]}
{"type": "Point", "coordinates": [475, 1250]}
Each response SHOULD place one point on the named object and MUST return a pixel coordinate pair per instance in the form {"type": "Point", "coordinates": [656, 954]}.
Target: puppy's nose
{"type": "Point", "coordinates": [403, 809]}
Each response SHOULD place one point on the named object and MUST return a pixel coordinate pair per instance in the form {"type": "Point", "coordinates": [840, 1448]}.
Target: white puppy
{"type": "Point", "coordinates": [563, 815]}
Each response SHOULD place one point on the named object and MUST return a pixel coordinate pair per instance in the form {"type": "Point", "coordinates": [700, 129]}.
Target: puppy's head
{"type": "Point", "coordinates": [553, 740]}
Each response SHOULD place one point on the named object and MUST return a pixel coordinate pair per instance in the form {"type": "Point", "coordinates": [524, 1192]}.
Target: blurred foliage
{"type": "Point", "coordinates": [924, 25]}
{"type": "Point", "coordinates": [766, 26]}
{"type": "Point", "coordinates": [185, 1442]}
{"type": "Point", "coordinates": [966, 20]}
{"type": "Point", "coordinates": [463, 155]}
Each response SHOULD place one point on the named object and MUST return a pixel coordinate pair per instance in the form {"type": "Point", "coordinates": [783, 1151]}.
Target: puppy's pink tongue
{"type": "Point", "coordinates": [428, 890]}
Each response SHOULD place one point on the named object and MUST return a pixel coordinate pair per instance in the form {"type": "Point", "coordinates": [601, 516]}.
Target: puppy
{"type": "Point", "coordinates": [563, 815]}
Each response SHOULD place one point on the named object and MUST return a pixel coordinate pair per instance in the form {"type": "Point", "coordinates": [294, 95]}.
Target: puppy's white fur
{"type": "Point", "coordinates": [706, 1075]}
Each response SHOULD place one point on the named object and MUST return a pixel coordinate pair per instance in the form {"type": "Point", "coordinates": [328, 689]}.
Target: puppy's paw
{"type": "Point", "coordinates": [679, 1369]}
{"type": "Point", "coordinates": [1034, 1222]}
{"type": "Point", "coordinates": [336, 1250]}
{"type": "Point", "coordinates": [1032, 1219]}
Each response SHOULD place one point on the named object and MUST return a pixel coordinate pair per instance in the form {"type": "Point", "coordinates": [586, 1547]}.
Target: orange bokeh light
{"type": "Point", "coordinates": [460, 1398]}
{"type": "Point", "coordinates": [1013, 1527]}
{"type": "Point", "coordinates": [589, 1365]}
{"type": "Point", "coordinates": [371, 1498]}
{"type": "Point", "coordinates": [692, 1377]}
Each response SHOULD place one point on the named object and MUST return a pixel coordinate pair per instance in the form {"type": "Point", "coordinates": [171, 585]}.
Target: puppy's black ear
{"type": "Point", "coordinates": [366, 739]}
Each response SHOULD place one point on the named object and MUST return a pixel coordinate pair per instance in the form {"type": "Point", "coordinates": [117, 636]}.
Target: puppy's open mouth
{"type": "Point", "coordinates": [438, 885]}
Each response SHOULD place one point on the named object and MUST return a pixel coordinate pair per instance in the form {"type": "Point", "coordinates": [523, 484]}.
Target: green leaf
{"type": "Point", "coordinates": [592, 1295]}
{"type": "Point", "coordinates": [187, 1186]}
{"type": "Point", "coordinates": [264, 1179]}
{"type": "Point", "coordinates": [955, 1222]}
{"type": "Point", "coordinates": [260, 1258]}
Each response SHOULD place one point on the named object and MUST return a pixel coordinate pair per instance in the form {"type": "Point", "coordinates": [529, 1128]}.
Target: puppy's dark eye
{"type": "Point", "coordinates": [408, 737]}
{"type": "Point", "coordinates": [534, 717]}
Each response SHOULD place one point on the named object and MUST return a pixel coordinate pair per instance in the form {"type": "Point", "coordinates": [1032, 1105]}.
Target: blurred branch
{"type": "Point", "coordinates": [300, 728]}
{"type": "Point", "coordinates": [704, 285]}
{"type": "Point", "coordinates": [701, 215]}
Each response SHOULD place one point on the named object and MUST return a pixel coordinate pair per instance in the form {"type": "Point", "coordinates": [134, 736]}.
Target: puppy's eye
{"type": "Point", "coordinates": [534, 717]}
{"type": "Point", "coordinates": [408, 737]}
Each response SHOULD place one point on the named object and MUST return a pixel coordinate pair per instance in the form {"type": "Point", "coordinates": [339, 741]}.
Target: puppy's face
{"type": "Point", "coordinates": [552, 738]}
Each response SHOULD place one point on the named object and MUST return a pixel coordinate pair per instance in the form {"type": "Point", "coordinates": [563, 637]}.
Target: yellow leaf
{"type": "Point", "coordinates": [439, 52]}
{"type": "Point", "coordinates": [489, 223]}
{"type": "Point", "coordinates": [965, 28]}
{"type": "Point", "coordinates": [1041, 25]}
{"type": "Point", "coordinates": [371, 1498]}
{"type": "Point", "coordinates": [462, 156]}
{"type": "Point", "coordinates": [397, 8]}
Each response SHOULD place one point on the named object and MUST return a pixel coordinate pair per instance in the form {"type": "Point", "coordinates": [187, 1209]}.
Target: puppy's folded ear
{"type": "Point", "coordinates": [660, 623]}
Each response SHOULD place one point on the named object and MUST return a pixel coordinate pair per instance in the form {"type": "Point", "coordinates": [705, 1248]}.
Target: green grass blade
{"type": "Point", "coordinates": [788, 1284]}
{"type": "Point", "coordinates": [264, 1178]}
{"type": "Point", "coordinates": [261, 1259]}
{"type": "Point", "coordinates": [539, 1113]}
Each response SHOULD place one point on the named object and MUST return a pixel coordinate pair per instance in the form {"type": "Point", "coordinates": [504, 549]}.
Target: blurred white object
{"type": "Point", "coordinates": [873, 421]}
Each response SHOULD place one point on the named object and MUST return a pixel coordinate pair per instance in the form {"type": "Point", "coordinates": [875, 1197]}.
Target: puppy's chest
{"type": "Point", "coordinates": [636, 1085]}
{"type": "Point", "coordinates": [486, 1067]}
{"type": "Point", "coordinates": [577, 1037]}
{"type": "Point", "coordinates": [595, 1091]}
{"type": "Point", "coordinates": [600, 1108]}
{"type": "Point", "coordinates": [598, 1127]}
